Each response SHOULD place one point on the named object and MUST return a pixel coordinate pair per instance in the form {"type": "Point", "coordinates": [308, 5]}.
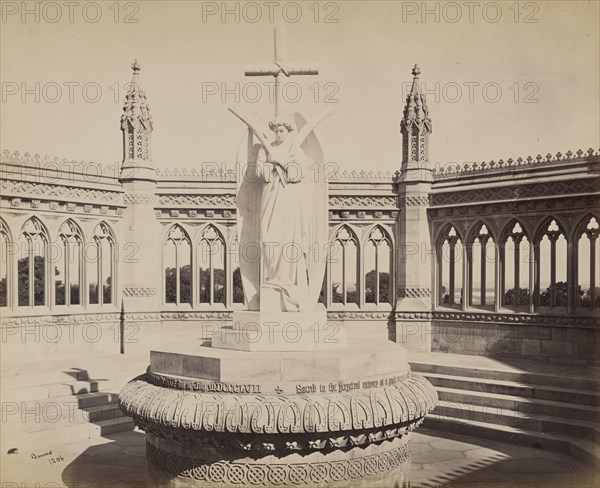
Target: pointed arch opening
{"type": "Point", "coordinates": [100, 256]}
{"type": "Point", "coordinates": [67, 265]}
{"type": "Point", "coordinates": [515, 257]}
{"type": "Point", "coordinates": [344, 269]}
{"type": "Point", "coordinates": [587, 294]}
{"type": "Point", "coordinates": [237, 288]}
{"type": "Point", "coordinates": [450, 269]}
{"type": "Point", "coordinates": [32, 264]}
{"type": "Point", "coordinates": [6, 252]}
{"type": "Point", "coordinates": [551, 287]}
{"type": "Point", "coordinates": [377, 263]}
{"type": "Point", "coordinates": [177, 264]}
{"type": "Point", "coordinates": [211, 266]}
{"type": "Point", "coordinates": [482, 268]}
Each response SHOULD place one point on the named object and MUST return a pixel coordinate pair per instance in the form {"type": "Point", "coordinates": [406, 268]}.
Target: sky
{"type": "Point", "coordinates": [504, 79]}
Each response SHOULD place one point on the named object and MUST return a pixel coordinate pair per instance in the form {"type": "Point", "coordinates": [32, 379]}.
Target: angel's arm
{"type": "Point", "coordinates": [263, 170]}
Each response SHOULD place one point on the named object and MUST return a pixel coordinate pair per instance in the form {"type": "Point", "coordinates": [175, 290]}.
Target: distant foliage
{"type": "Point", "coordinates": [509, 296]}
{"type": "Point", "coordinates": [3, 293]}
{"type": "Point", "coordinates": [39, 280]}
{"type": "Point", "coordinates": [384, 287]}
{"type": "Point", "coordinates": [584, 299]}
{"type": "Point", "coordinates": [560, 290]}
{"type": "Point", "coordinates": [238, 290]}
{"type": "Point", "coordinates": [185, 284]}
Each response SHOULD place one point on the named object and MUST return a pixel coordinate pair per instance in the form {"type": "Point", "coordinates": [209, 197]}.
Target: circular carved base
{"type": "Point", "coordinates": [342, 430]}
{"type": "Point", "coordinates": [382, 464]}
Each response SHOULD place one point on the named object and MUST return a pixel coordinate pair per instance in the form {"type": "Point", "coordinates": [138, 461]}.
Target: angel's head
{"type": "Point", "coordinates": [281, 128]}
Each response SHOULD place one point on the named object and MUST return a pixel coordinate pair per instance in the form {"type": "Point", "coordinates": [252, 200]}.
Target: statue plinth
{"type": "Point", "coordinates": [280, 331]}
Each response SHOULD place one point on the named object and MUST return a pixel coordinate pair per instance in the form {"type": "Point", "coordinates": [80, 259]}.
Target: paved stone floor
{"type": "Point", "coordinates": [439, 460]}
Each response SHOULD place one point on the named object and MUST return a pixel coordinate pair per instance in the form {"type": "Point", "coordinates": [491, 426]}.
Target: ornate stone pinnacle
{"type": "Point", "coordinates": [135, 66]}
{"type": "Point", "coordinates": [416, 71]}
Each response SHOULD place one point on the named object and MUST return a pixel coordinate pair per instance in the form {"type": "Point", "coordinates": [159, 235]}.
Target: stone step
{"type": "Point", "coordinates": [28, 391]}
{"type": "Point", "coordinates": [538, 423]}
{"type": "Point", "coordinates": [54, 390]}
{"type": "Point", "coordinates": [58, 416]}
{"type": "Point", "coordinates": [568, 395]}
{"type": "Point", "coordinates": [584, 450]}
{"type": "Point", "coordinates": [520, 404]}
{"type": "Point", "coordinates": [52, 374]}
{"type": "Point", "coordinates": [563, 381]}
{"type": "Point", "coordinates": [46, 406]}
{"type": "Point", "coordinates": [74, 433]}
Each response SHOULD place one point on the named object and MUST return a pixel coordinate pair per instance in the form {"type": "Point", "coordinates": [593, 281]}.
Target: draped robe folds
{"type": "Point", "coordinates": [282, 225]}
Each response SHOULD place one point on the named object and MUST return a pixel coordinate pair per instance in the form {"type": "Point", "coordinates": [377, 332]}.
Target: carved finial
{"type": "Point", "coordinates": [415, 118]}
{"type": "Point", "coordinates": [136, 118]}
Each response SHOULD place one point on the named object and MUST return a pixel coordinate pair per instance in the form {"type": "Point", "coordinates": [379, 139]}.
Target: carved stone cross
{"type": "Point", "coordinates": [280, 68]}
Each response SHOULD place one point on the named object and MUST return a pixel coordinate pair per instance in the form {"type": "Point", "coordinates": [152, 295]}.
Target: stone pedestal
{"type": "Point", "coordinates": [323, 417]}
{"type": "Point", "coordinates": [281, 331]}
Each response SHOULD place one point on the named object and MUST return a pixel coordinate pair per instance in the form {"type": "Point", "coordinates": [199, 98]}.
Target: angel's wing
{"type": "Point", "coordinates": [310, 125]}
{"type": "Point", "coordinates": [259, 135]}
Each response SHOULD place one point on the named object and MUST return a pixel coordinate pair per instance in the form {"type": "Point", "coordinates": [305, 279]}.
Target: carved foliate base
{"type": "Point", "coordinates": [228, 418]}
{"type": "Point", "coordinates": [383, 464]}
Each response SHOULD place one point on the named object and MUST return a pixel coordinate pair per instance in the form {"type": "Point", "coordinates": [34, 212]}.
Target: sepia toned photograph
{"type": "Point", "coordinates": [300, 244]}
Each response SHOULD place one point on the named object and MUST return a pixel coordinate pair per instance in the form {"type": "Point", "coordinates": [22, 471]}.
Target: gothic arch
{"type": "Point", "coordinates": [580, 227]}
{"type": "Point", "coordinates": [450, 268]}
{"type": "Point", "coordinates": [38, 223]}
{"type": "Point", "coordinates": [443, 231]}
{"type": "Point", "coordinates": [221, 231]}
{"type": "Point", "coordinates": [509, 226]}
{"type": "Point", "coordinates": [5, 229]}
{"type": "Point", "coordinates": [377, 279]}
{"type": "Point", "coordinates": [235, 293]}
{"type": "Point", "coordinates": [343, 275]}
{"type": "Point", "coordinates": [32, 265]}
{"type": "Point", "coordinates": [6, 257]}
{"type": "Point", "coordinates": [101, 268]}
{"type": "Point", "coordinates": [540, 229]}
{"type": "Point", "coordinates": [185, 228]}
{"type": "Point", "coordinates": [210, 269]}
{"type": "Point", "coordinates": [585, 262]}
{"type": "Point", "coordinates": [515, 266]}
{"type": "Point", "coordinates": [473, 231]}
{"type": "Point", "coordinates": [482, 256]}
{"type": "Point", "coordinates": [68, 276]}
{"type": "Point", "coordinates": [177, 280]}
{"type": "Point", "coordinates": [554, 264]}
{"type": "Point", "coordinates": [333, 231]}
{"type": "Point", "coordinates": [386, 232]}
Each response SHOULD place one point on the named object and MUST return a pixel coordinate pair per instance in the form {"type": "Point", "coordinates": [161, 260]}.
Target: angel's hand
{"type": "Point", "coordinates": [295, 177]}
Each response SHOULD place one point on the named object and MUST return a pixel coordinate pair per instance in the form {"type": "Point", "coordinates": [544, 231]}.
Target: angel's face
{"type": "Point", "coordinates": [280, 133]}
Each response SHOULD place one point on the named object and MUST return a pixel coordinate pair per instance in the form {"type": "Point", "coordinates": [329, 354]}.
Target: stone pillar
{"type": "Point", "coordinates": [415, 251]}
{"type": "Point", "coordinates": [140, 251]}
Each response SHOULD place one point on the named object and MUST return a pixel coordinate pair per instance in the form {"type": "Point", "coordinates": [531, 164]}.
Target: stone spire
{"type": "Point", "coordinates": [416, 124]}
{"type": "Point", "coordinates": [136, 122]}
{"type": "Point", "coordinates": [413, 292]}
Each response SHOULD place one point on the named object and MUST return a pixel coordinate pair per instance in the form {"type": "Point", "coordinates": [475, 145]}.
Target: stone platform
{"type": "Point", "coordinates": [281, 331]}
{"type": "Point", "coordinates": [339, 417]}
